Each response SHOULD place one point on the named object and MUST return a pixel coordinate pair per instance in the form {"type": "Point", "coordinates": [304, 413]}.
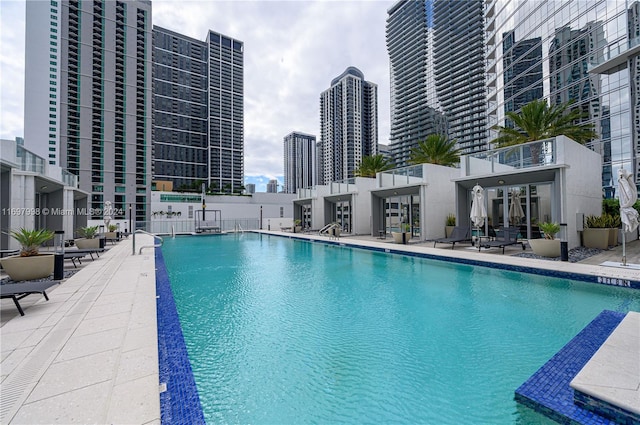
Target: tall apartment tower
{"type": "Point", "coordinates": [198, 110]}
{"type": "Point", "coordinates": [88, 63]}
{"type": "Point", "coordinates": [299, 161]}
{"type": "Point", "coordinates": [458, 60]}
{"type": "Point", "coordinates": [562, 51]}
{"type": "Point", "coordinates": [348, 125]}
{"type": "Point", "coordinates": [415, 110]}
{"type": "Point", "coordinates": [180, 109]}
{"type": "Point", "coordinates": [272, 186]}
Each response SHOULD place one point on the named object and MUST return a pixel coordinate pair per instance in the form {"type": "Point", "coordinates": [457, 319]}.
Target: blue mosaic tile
{"type": "Point", "coordinates": [615, 413]}
{"type": "Point", "coordinates": [548, 390]}
{"type": "Point", "coordinates": [180, 403]}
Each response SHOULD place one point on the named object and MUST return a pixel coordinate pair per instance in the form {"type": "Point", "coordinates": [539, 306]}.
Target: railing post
{"type": "Point", "coordinates": [134, 243]}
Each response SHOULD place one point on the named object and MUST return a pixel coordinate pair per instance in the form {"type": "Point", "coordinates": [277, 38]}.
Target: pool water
{"type": "Point", "coordinates": [284, 331]}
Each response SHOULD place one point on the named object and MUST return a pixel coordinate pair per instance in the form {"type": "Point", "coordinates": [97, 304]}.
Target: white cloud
{"type": "Point", "coordinates": [292, 51]}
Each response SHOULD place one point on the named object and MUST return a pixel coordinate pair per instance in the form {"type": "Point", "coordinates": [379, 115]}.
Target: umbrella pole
{"type": "Point", "coordinates": [624, 249]}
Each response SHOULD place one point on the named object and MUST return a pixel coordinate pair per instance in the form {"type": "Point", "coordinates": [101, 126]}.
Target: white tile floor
{"type": "Point", "coordinates": [89, 354]}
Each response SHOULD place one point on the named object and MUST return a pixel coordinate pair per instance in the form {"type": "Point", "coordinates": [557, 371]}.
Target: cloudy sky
{"type": "Point", "coordinates": [292, 51]}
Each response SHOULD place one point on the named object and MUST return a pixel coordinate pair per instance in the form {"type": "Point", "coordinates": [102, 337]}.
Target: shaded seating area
{"type": "Point", "coordinates": [459, 234]}
{"type": "Point", "coordinates": [17, 291]}
{"type": "Point", "coordinates": [507, 237]}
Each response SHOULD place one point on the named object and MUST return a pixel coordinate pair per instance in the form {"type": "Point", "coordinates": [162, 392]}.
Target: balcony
{"type": "Point", "coordinates": [404, 176]}
{"type": "Point", "coordinates": [528, 155]}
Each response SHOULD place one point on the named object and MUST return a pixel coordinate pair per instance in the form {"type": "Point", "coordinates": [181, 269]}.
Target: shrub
{"type": "Point", "coordinates": [30, 240]}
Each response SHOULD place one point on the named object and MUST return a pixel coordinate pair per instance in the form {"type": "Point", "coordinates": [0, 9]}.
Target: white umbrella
{"type": "Point", "coordinates": [628, 215]}
{"type": "Point", "coordinates": [515, 208]}
{"type": "Point", "coordinates": [107, 214]}
{"type": "Point", "coordinates": [478, 210]}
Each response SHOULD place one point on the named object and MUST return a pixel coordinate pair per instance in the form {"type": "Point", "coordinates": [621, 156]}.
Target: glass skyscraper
{"type": "Point", "coordinates": [299, 161]}
{"type": "Point", "coordinates": [585, 51]}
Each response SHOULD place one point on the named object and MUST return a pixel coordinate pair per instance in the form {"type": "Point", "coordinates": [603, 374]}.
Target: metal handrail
{"type": "Point", "coordinates": [145, 246]}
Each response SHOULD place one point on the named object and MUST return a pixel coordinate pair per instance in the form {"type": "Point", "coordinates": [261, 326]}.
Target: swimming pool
{"type": "Point", "coordinates": [282, 331]}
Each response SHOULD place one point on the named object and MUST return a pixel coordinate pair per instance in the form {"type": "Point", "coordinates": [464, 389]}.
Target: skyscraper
{"type": "Point", "coordinates": [458, 61]}
{"type": "Point", "coordinates": [299, 161]}
{"type": "Point", "coordinates": [88, 64]}
{"type": "Point", "coordinates": [570, 51]}
{"type": "Point", "coordinates": [272, 186]}
{"type": "Point", "coordinates": [348, 125]}
{"type": "Point", "coordinates": [415, 111]}
{"type": "Point", "coordinates": [198, 110]}
{"type": "Point", "coordinates": [180, 109]}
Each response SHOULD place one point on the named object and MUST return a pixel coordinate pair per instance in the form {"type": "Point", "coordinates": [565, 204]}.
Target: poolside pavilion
{"type": "Point", "coordinates": [554, 180]}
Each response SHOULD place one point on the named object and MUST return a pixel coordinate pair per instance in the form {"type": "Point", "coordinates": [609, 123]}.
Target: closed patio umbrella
{"type": "Point", "coordinates": [628, 215]}
{"type": "Point", "coordinates": [478, 210]}
{"type": "Point", "coordinates": [515, 208]}
{"type": "Point", "coordinates": [107, 214]}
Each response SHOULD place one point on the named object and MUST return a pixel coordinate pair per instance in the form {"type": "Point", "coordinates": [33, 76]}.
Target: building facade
{"type": "Point", "coordinates": [198, 111]}
{"type": "Point", "coordinates": [458, 61]}
{"type": "Point", "coordinates": [348, 125]}
{"type": "Point", "coordinates": [88, 63]}
{"type": "Point", "coordinates": [415, 111]}
{"type": "Point", "coordinates": [180, 109]}
{"type": "Point", "coordinates": [581, 51]}
{"type": "Point", "coordinates": [299, 161]}
{"type": "Point", "coordinates": [272, 186]}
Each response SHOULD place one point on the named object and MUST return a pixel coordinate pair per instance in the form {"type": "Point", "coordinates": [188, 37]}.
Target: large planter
{"type": "Point", "coordinates": [595, 238]}
{"type": "Point", "coordinates": [84, 243]}
{"type": "Point", "coordinates": [401, 237]}
{"type": "Point", "coordinates": [28, 268]}
{"type": "Point", "coordinates": [613, 236]}
{"type": "Point", "coordinates": [448, 230]}
{"type": "Point", "coordinates": [545, 247]}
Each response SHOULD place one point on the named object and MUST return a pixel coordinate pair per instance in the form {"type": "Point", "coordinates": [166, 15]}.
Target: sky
{"type": "Point", "coordinates": [292, 51]}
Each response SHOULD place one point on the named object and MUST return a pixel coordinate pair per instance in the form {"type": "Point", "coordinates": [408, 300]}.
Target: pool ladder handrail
{"type": "Point", "coordinates": [239, 227]}
{"type": "Point", "coordinates": [145, 246]}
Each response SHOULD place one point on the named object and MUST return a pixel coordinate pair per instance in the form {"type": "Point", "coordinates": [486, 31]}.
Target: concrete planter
{"type": "Point", "coordinates": [401, 237]}
{"type": "Point", "coordinates": [613, 236]}
{"type": "Point", "coordinates": [84, 243]}
{"type": "Point", "coordinates": [28, 268]}
{"type": "Point", "coordinates": [448, 230]}
{"type": "Point", "coordinates": [545, 247]}
{"type": "Point", "coordinates": [596, 238]}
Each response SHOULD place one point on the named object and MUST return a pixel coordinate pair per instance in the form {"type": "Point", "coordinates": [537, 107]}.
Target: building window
{"type": "Point", "coordinates": [52, 149]}
{"type": "Point", "coordinates": [281, 212]}
{"type": "Point", "coordinates": [52, 129]}
{"type": "Point", "coordinates": [190, 211]}
{"type": "Point", "coordinates": [52, 122]}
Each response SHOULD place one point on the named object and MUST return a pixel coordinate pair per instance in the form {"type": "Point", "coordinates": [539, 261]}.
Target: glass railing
{"type": "Point", "coordinates": [533, 154]}
{"type": "Point", "coordinates": [307, 192]}
{"type": "Point", "coordinates": [614, 50]}
{"type": "Point", "coordinates": [401, 176]}
{"type": "Point", "coordinates": [69, 179]}
{"type": "Point", "coordinates": [29, 161]}
{"type": "Point", "coordinates": [344, 186]}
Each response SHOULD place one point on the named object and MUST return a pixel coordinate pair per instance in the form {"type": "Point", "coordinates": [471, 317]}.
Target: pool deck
{"type": "Point", "coordinates": [89, 354]}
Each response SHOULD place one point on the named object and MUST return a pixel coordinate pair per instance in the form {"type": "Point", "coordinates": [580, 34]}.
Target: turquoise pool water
{"type": "Point", "coordinates": [282, 331]}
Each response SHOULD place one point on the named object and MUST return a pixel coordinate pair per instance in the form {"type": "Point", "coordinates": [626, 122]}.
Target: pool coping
{"type": "Point", "coordinates": [176, 371]}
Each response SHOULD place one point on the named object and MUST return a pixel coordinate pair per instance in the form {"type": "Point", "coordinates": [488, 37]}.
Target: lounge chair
{"type": "Point", "coordinates": [458, 234]}
{"type": "Point", "coordinates": [509, 237]}
{"type": "Point", "coordinates": [85, 251]}
{"type": "Point", "coordinates": [73, 256]}
{"type": "Point", "coordinates": [18, 291]}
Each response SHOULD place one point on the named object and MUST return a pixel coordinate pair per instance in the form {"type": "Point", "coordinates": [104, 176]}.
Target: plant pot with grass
{"type": "Point", "coordinates": [29, 264]}
{"type": "Point", "coordinates": [548, 246]}
{"type": "Point", "coordinates": [613, 223]}
{"type": "Point", "coordinates": [297, 226]}
{"type": "Point", "coordinates": [450, 223]}
{"type": "Point", "coordinates": [404, 236]}
{"type": "Point", "coordinates": [111, 234]}
{"type": "Point", "coordinates": [88, 238]}
{"type": "Point", "coordinates": [596, 233]}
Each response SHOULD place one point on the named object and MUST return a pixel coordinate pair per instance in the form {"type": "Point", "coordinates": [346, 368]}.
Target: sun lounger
{"type": "Point", "coordinates": [459, 234]}
{"type": "Point", "coordinates": [85, 251]}
{"type": "Point", "coordinates": [73, 256]}
{"type": "Point", "coordinates": [18, 291]}
{"type": "Point", "coordinates": [509, 237]}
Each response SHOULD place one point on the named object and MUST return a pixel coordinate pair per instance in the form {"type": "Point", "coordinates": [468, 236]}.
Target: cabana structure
{"type": "Point", "coordinates": [555, 180]}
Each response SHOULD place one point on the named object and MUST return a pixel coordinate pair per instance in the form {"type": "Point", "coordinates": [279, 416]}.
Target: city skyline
{"type": "Point", "coordinates": [284, 71]}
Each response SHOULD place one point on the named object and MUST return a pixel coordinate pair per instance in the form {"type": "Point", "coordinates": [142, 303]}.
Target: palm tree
{"type": "Point", "coordinates": [370, 165]}
{"type": "Point", "coordinates": [435, 149]}
{"type": "Point", "coordinates": [538, 121]}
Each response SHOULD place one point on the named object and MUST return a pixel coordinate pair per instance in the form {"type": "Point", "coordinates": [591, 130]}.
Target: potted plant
{"type": "Point", "coordinates": [403, 236]}
{"type": "Point", "coordinates": [29, 264]}
{"type": "Point", "coordinates": [613, 223]}
{"type": "Point", "coordinates": [297, 226]}
{"type": "Point", "coordinates": [111, 232]}
{"type": "Point", "coordinates": [88, 238]}
{"type": "Point", "coordinates": [450, 223]}
{"type": "Point", "coordinates": [548, 246]}
{"type": "Point", "coordinates": [596, 233]}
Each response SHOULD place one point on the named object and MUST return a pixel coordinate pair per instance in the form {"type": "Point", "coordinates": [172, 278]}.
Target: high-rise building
{"type": "Point", "coordinates": [299, 161]}
{"type": "Point", "coordinates": [348, 125]}
{"type": "Point", "coordinates": [180, 109]}
{"type": "Point", "coordinates": [570, 51]}
{"type": "Point", "coordinates": [198, 110]}
{"type": "Point", "coordinates": [250, 188]}
{"type": "Point", "coordinates": [88, 97]}
{"type": "Point", "coordinates": [458, 68]}
{"type": "Point", "coordinates": [272, 186]}
{"type": "Point", "coordinates": [415, 111]}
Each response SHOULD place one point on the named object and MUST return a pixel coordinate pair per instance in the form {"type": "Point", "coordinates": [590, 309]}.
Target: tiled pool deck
{"type": "Point", "coordinates": [90, 354]}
